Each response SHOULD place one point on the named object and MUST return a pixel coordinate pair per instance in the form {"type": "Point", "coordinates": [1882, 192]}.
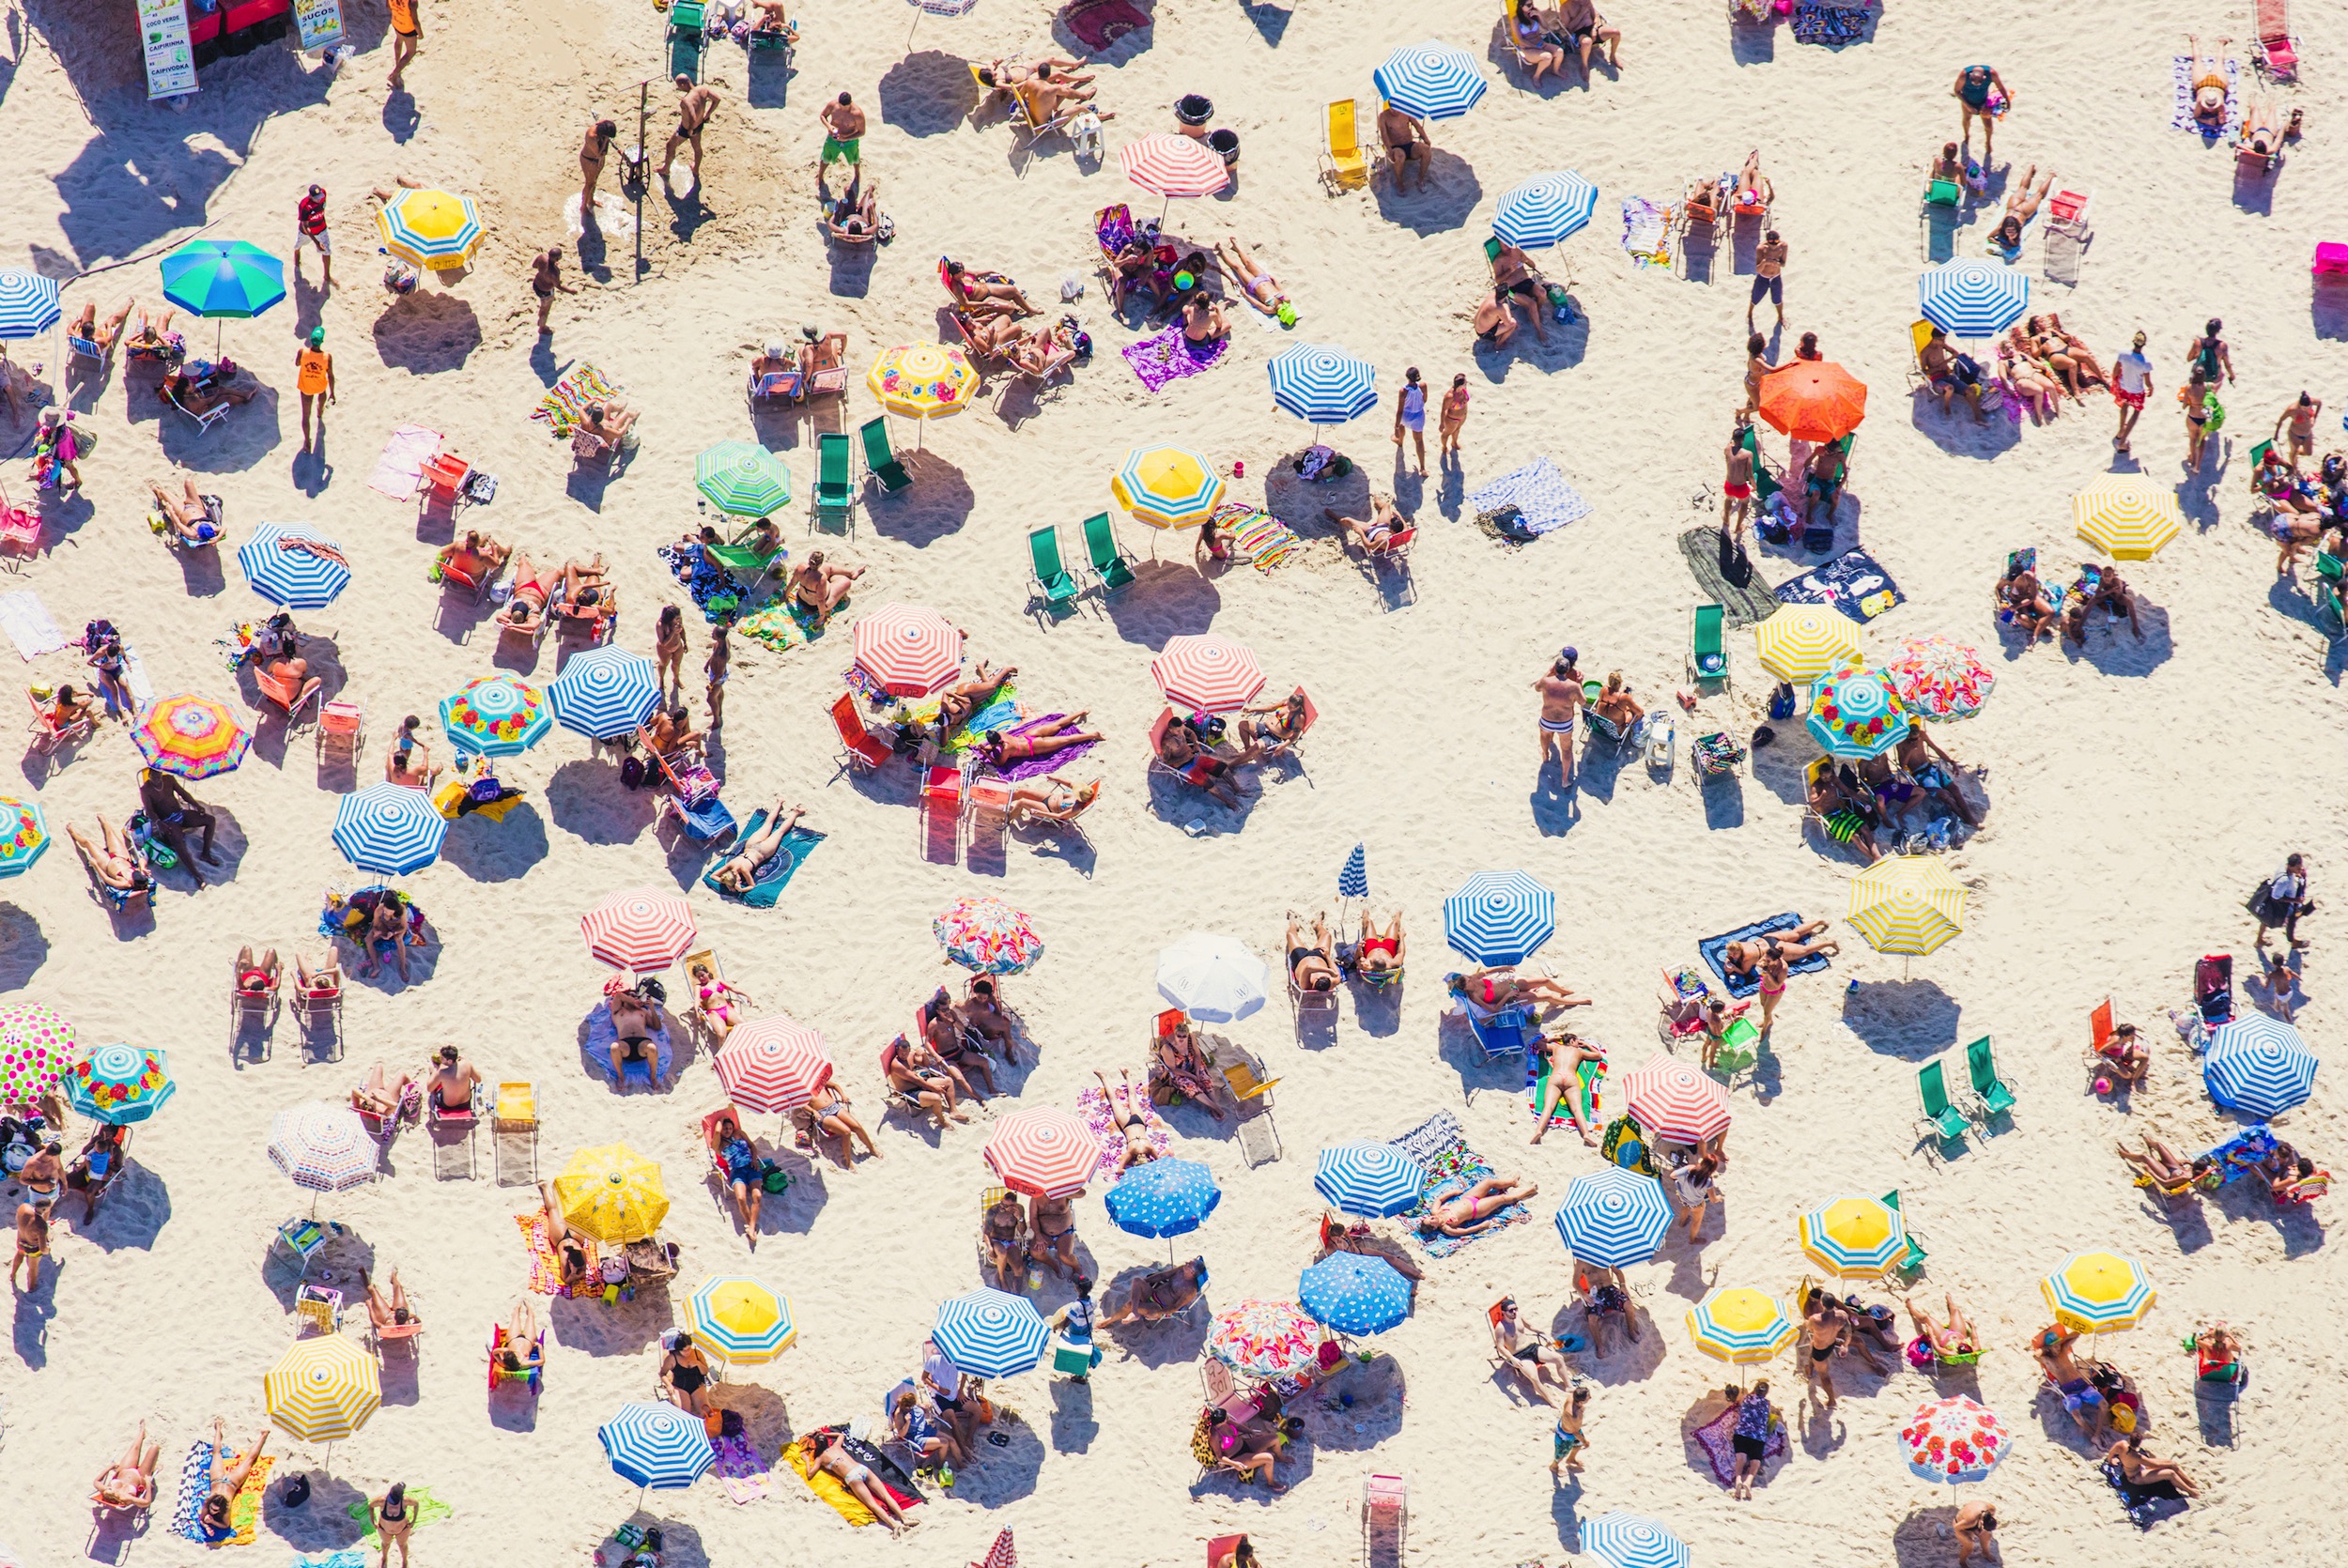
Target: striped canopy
{"type": "Point", "coordinates": [322, 1389]}
{"type": "Point", "coordinates": [1614, 1218]}
{"type": "Point", "coordinates": [642, 928]}
{"type": "Point", "coordinates": [1545, 211]}
{"type": "Point", "coordinates": [192, 736]}
{"type": "Point", "coordinates": [741, 1320]}
{"type": "Point", "coordinates": [23, 833]}
{"type": "Point", "coordinates": [742, 478]}
{"type": "Point", "coordinates": [1351, 1294]}
{"type": "Point", "coordinates": [604, 692]}
{"type": "Point", "coordinates": [1207, 673]}
{"type": "Point", "coordinates": [2127, 516]}
{"type": "Point", "coordinates": [1168, 166]}
{"type": "Point", "coordinates": [908, 650]}
{"type": "Point", "coordinates": [1620, 1540]}
{"type": "Point", "coordinates": [1368, 1178]}
{"type": "Point", "coordinates": [1165, 1197]}
{"type": "Point", "coordinates": [1853, 1238]}
{"type": "Point", "coordinates": [1955, 1439]}
{"type": "Point", "coordinates": [1166, 487]}
{"type": "Point", "coordinates": [322, 1146]}
{"type": "Point", "coordinates": [991, 1333]}
{"type": "Point", "coordinates": [1499, 917]}
{"type": "Point", "coordinates": [1673, 1099]}
{"type": "Point", "coordinates": [1855, 714]}
{"type": "Point", "coordinates": [28, 304]}
{"type": "Point", "coordinates": [496, 715]}
{"type": "Point", "coordinates": [613, 1193]}
{"type": "Point", "coordinates": [656, 1445]}
{"type": "Point", "coordinates": [280, 570]}
{"type": "Point", "coordinates": [945, 8]}
{"type": "Point", "coordinates": [1801, 642]}
{"type": "Point", "coordinates": [1972, 299]}
{"type": "Point", "coordinates": [1907, 903]}
{"type": "Point", "coordinates": [2094, 1292]}
{"type": "Point", "coordinates": [389, 829]}
{"type": "Point", "coordinates": [922, 380]}
{"type": "Point", "coordinates": [773, 1065]}
{"type": "Point", "coordinates": [223, 278]}
{"type": "Point", "coordinates": [2259, 1066]}
{"type": "Point", "coordinates": [118, 1084]}
{"type": "Point", "coordinates": [1738, 1324]}
{"type": "Point", "coordinates": [438, 229]}
{"type": "Point", "coordinates": [1432, 81]}
{"type": "Point", "coordinates": [1322, 384]}
{"type": "Point", "coordinates": [1042, 1151]}
{"type": "Point", "coordinates": [1214, 979]}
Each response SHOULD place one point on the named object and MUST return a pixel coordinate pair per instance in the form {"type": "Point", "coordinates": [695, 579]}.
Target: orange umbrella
{"type": "Point", "coordinates": [1813, 400]}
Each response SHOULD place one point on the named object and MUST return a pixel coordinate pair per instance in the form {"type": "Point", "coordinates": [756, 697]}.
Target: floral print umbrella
{"type": "Point", "coordinates": [496, 715]}
{"type": "Point", "coordinates": [23, 833]}
{"type": "Point", "coordinates": [35, 1047]}
{"type": "Point", "coordinates": [120, 1083]}
{"type": "Point", "coordinates": [1855, 714]}
{"type": "Point", "coordinates": [1953, 1439]}
{"type": "Point", "coordinates": [987, 935]}
{"type": "Point", "coordinates": [1941, 679]}
{"type": "Point", "coordinates": [1266, 1339]}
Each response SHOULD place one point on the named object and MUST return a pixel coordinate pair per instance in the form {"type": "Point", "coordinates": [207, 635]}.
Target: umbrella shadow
{"type": "Point", "coordinates": [1167, 1342]}
{"type": "Point", "coordinates": [622, 1327]}
{"type": "Point", "coordinates": [1456, 1043]}
{"type": "Point", "coordinates": [338, 1265]}
{"type": "Point", "coordinates": [1007, 1459]}
{"type": "Point", "coordinates": [1451, 194]}
{"type": "Point", "coordinates": [1197, 813]}
{"type": "Point", "coordinates": [1630, 1360]}
{"type": "Point", "coordinates": [766, 1421]}
{"type": "Point", "coordinates": [427, 333]}
{"type": "Point", "coordinates": [1167, 599]}
{"type": "Point", "coordinates": [587, 800]}
{"type": "Point", "coordinates": [133, 1214]}
{"type": "Point", "coordinates": [1911, 1020]}
{"type": "Point", "coordinates": [1925, 1538]}
{"type": "Point", "coordinates": [323, 1523]}
{"type": "Point", "coordinates": [250, 432]}
{"type": "Point", "coordinates": [938, 503]}
{"type": "Point", "coordinates": [489, 850]}
{"type": "Point", "coordinates": [1357, 1408]}
{"type": "Point", "coordinates": [23, 947]}
{"type": "Point", "coordinates": [928, 93]}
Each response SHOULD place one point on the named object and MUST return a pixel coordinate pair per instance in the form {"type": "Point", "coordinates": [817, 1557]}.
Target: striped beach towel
{"type": "Point", "coordinates": [565, 406]}
{"type": "Point", "coordinates": [1646, 233]}
{"type": "Point", "coordinates": [1257, 538]}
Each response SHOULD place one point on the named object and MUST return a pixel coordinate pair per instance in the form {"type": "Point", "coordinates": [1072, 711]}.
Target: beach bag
{"type": "Point", "coordinates": [632, 773]}
{"type": "Point", "coordinates": [773, 1177]}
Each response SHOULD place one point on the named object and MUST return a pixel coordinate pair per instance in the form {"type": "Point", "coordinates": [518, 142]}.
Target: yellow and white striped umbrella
{"type": "Point", "coordinates": [1166, 487]}
{"type": "Point", "coordinates": [613, 1193]}
{"type": "Point", "coordinates": [2094, 1292]}
{"type": "Point", "coordinates": [1853, 1238]}
{"type": "Point", "coordinates": [322, 1389]}
{"type": "Point", "coordinates": [1801, 642]}
{"type": "Point", "coordinates": [1907, 903]}
{"type": "Point", "coordinates": [1739, 1324]}
{"type": "Point", "coordinates": [2127, 516]}
{"type": "Point", "coordinates": [439, 229]}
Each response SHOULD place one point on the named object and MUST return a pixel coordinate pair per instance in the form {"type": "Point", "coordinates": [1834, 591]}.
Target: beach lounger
{"type": "Point", "coordinates": [2273, 50]}
{"type": "Point", "coordinates": [1111, 563]}
{"type": "Point", "coordinates": [289, 701]}
{"type": "Point", "coordinates": [1385, 1519]}
{"type": "Point", "coordinates": [45, 735]}
{"type": "Point", "coordinates": [879, 461]}
{"type": "Point", "coordinates": [205, 420]}
{"type": "Point", "coordinates": [1705, 206]}
{"type": "Point", "coordinates": [1027, 131]}
{"type": "Point", "coordinates": [530, 1374]}
{"type": "Point", "coordinates": [1946, 1122]}
{"type": "Point", "coordinates": [1989, 1091]}
{"type": "Point", "coordinates": [305, 1239]}
{"type": "Point", "coordinates": [117, 901]}
{"type": "Point", "coordinates": [835, 492]}
{"type": "Point", "coordinates": [1046, 577]}
{"type": "Point", "coordinates": [1276, 748]}
{"type": "Point", "coordinates": [342, 733]}
{"type": "Point", "coordinates": [828, 366]}
{"type": "Point", "coordinates": [514, 1133]}
{"type": "Point", "coordinates": [20, 529]}
{"type": "Point", "coordinates": [941, 814]}
{"type": "Point", "coordinates": [1707, 651]}
{"type": "Point", "coordinates": [441, 485]}
{"type": "Point", "coordinates": [90, 348]}
{"type": "Point", "coordinates": [859, 746]}
{"type": "Point", "coordinates": [1251, 1095]}
{"type": "Point", "coordinates": [452, 1134]}
{"type": "Point", "coordinates": [684, 40]}
{"type": "Point", "coordinates": [1344, 166]}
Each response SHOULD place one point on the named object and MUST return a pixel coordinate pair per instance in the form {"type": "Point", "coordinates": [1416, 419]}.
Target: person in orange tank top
{"type": "Point", "coordinates": [314, 378]}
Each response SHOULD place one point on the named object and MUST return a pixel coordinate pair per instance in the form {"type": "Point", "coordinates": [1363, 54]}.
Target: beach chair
{"type": "Point", "coordinates": [2328, 602]}
{"type": "Point", "coordinates": [1302, 1002]}
{"type": "Point", "coordinates": [1705, 206]}
{"type": "Point", "coordinates": [305, 1239]}
{"type": "Point", "coordinates": [1989, 1092]}
{"type": "Point", "coordinates": [472, 585]}
{"type": "Point", "coordinates": [452, 1134]}
{"type": "Point", "coordinates": [1344, 166]}
{"type": "Point", "coordinates": [1191, 775]}
{"type": "Point", "coordinates": [1765, 484]}
{"type": "Point", "coordinates": [259, 1007]}
{"type": "Point", "coordinates": [380, 1335]}
{"type": "Point", "coordinates": [879, 461]}
{"type": "Point", "coordinates": [1385, 1519]}
{"type": "Point", "coordinates": [828, 366]}
{"type": "Point", "coordinates": [499, 1341]}
{"type": "Point", "coordinates": [859, 746]}
{"type": "Point", "coordinates": [45, 735]}
{"type": "Point", "coordinates": [1393, 550]}
{"type": "Point", "coordinates": [1911, 1261]}
{"type": "Point", "coordinates": [288, 699]}
{"type": "Point", "coordinates": [1110, 562]}
{"type": "Point", "coordinates": [320, 1007]}
{"type": "Point", "coordinates": [739, 558]}
{"type": "Point", "coordinates": [1932, 1092]}
{"type": "Point", "coordinates": [90, 348]}
{"type": "Point", "coordinates": [514, 1133]}
{"type": "Point", "coordinates": [20, 529]}
{"type": "Point", "coordinates": [205, 420]}
{"type": "Point", "coordinates": [1918, 335]}
{"type": "Point", "coordinates": [2213, 988]}
{"type": "Point", "coordinates": [1251, 1095]}
{"type": "Point", "coordinates": [441, 485]}
{"type": "Point", "coordinates": [1708, 651]}
{"type": "Point", "coordinates": [2273, 50]}
{"type": "Point", "coordinates": [318, 1307]}
{"type": "Point", "coordinates": [689, 793]}
{"type": "Point", "coordinates": [1944, 194]}
{"type": "Point", "coordinates": [1304, 726]}
{"type": "Point", "coordinates": [684, 40]}
{"type": "Point", "coordinates": [342, 733]}
{"type": "Point", "coordinates": [941, 813]}
{"type": "Point", "coordinates": [1047, 579]}
{"type": "Point", "coordinates": [116, 900]}
{"type": "Point", "coordinates": [835, 492]}
{"type": "Point", "coordinates": [1740, 1048]}
{"type": "Point", "coordinates": [1027, 129]}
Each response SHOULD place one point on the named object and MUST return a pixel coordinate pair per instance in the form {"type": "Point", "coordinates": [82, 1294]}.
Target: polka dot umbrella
{"type": "Point", "coordinates": [192, 736]}
{"type": "Point", "coordinates": [35, 1046]}
{"type": "Point", "coordinates": [1855, 714]}
{"type": "Point", "coordinates": [23, 833]}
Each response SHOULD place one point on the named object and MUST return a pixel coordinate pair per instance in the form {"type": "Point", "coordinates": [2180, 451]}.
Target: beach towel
{"type": "Point", "coordinates": [780, 626]}
{"type": "Point", "coordinates": [1036, 767]}
{"type": "Point", "coordinates": [775, 875]}
{"type": "Point", "coordinates": [1733, 583]}
{"type": "Point", "coordinates": [741, 1473]}
{"type": "Point", "coordinates": [2181, 115]}
{"type": "Point", "coordinates": [565, 406]}
{"type": "Point", "coordinates": [350, 1557]}
{"type": "Point", "coordinates": [1539, 494]}
{"type": "Point", "coordinates": [1099, 23]}
{"type": "Point", "coordinates": [134, 677]}
{"type": "Point", "coordinates": [429, 1509]}
{"type": "Point", "coordinates": [1537, 1083]}
{"type": "Point", "coordinates": [1714, 948]}
{"type": "Point", "coordinates": [1646, 233]}
{"type": "Point", "coordinates": [714, 592]}
{"type": "Point", "coordinates": [195, 1484]}
{"type": "Point", "coordinates": [28, 626]}
{"type": "Point", "coordinates": [1257, 538]}
{"type": "Point", "coordinates": [546, 1270]}
{"type": "Point", "coordinates": [800, 1456]}
{"type": "Point", "coordinates": [400, 468]}
{"type": "Point", "coordinates": [1441, 1149]}
{"type": "Point", "coordinates": [602, 1037]}
{"type": "Point", "coordinates": [1171, 357]}
{"type": "Point", "coordinates": [2238, 1156]}
{"type": "Point", "coordinates": [1001, 714]}
{"type": "Point", "coordinates": [1717, 1439]}
{"type": "Point", "coordinates": [2145, 1506]}
{"type": "Point", "coordinates": [1831, 26]}
{"type": "Point", "coordinates": [1852, 582]}
{"type": "Point", "coordinates": [1093, 1107]}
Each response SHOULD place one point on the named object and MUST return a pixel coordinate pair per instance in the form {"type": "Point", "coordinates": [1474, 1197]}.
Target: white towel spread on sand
{"type": "Point", "coordinates": [397, 471]}
{"type": "Point", "coordinates": [26, 620]}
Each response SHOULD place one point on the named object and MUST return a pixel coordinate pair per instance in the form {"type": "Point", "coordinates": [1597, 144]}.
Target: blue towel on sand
{"type": "Point", "coordinates": [1713, 946]}
{"type": "Point", "coordinates": [601, 1037]}
{"type": "Point", "coordinates": [2145, 1506]}
{"type": "Point", "coordinates": [195, 1484]}
{"type": "Point", "coordinates": [775, 874]}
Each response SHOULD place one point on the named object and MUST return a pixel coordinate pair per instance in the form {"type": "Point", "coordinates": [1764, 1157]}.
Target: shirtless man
{"type": "Point", "coordinates": [2052, 1349]}
{"type": "Point", "coordinates": [1768, 278]}
{"type": "Point", "coordinates": [1385, 521]}
{"type": "Point", "coordinates": [452, 1084]}
{"type": "Point", "coordinates": [843, 133]}
{"type": "Point", "coordinates": [695, 104]}
{"type": "Point", "coordinates": [546, 279]}
{"type": "Point", "coordinates": [941, 1045]}
{"type": "Point", "coordinates": [1737, 488]}
{"type": "Point", "coordinates": [593, 150]}
{"type": "Point", "coordinates": [1138, 1149]}
{"type": "Point", "coordinates": [230, 1471]}
{"type": "Point", "coordinates": [1310, 968]}
{"type": "Point", "coordinates": [1407, 142]}
{"type": "Point", "coordinates": [1824, 1333]}
{"type": "Point", "coordinates": [822, 588]}
{"type": "Point", "coordinates": [1478, 1208]}
{"type": "Point", "coordinates": [1052, 1225]}
{"type": "Point", "coordinates": [1940, 362]}
{"type": "Point", "coordinates": [1935, 769]}
{"type": "Point", "coordinates": [1561, 700]}
{"type": "Point", "coordinates": [171, 811]}
{"type": "Point", "coordinates": [476, 557]}
{"type": "Point", "coordinates": [32, 1244]}
{"type": "Point", "coordinates": [1582, 25]}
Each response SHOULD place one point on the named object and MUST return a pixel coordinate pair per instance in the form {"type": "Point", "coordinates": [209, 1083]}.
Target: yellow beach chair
{"type": "Point", "coordinates": [1344, 166]}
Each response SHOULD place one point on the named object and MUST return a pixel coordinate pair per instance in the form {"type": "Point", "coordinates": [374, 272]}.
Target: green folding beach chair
{"type": "Point", "coordinates": [1982, 1066]}
{"type": "Point", "coordinates": [744, 560]}
{"type": "Point", "coordinates": [1108, 558]}
{"type": "Point", "coordinates": [1046, 576]}
{"type": "Point", "coordinates": [835, 495]}
{"type": "Point", "coordinates": [1765, 483]}
{"type": "Point", "coordinates": [878, 460]}
{"type": "Point", "coordinates": [1912, 1261]}
{"type": "Point", "coordinates": [1708, 653]}
{"type": "Point", "coordinates": [1944, 192]}
{"type": "Point", "coordinates": [1740, 1047]}
{"type": "Point", "coordinates": [1932, 1090]}
{"type": "Point", "coordinates": [684, 40]}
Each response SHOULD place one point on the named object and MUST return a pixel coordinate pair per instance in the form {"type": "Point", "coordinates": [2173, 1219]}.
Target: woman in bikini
{"type": "Point", "coordinates": [739, 874]}
{"type": "Point", "coordinates": [1465, 1213]}
{"type": "Point", "coordinates": [1177, 1063]}
{"type": "Point", "coordinates": [2210, 86]}
{"type": "Point", "coordinates": [957, 704]}
{"type": "Point", "coordinates": [129, 1480]}
{"type": "Point", "coordinates": [1772, 973]}
{"type": "Point", "coordinates": [2162, 1165]}
{"type": "Point", "coordinates": [2021, 206]}
{"type": "Point", "coordinates": [1053, 1226]}
{"type": "Point", "coordinates": [189, 519]}
{"type": "Point", "coordinates": [1744, 957]}
{"type": "Point", "coordinates": [574, 1257]}
{"type": "Point", "coordinates": [829, 1112]}
{"type": "Point", "coordinates": [1138, 1149]}
{"type": "Point", "coordinates": [1265, 726]}
{"type": "Point", "coordinates": [1566, 1055]}
{"type": "Point", "coordinates": [526, 608]}
{"type": "Point", "coordinates": [1493, 989]}
{"type": "Point", "coordinates": [230, 1471]}
{"type": "Point", "coordinates": [1161, 1295]}
{"type": "Point", "coordinates": [1947, 1342]}
{"type": "Point", "coordinates": [380, 1101]}
{"type": "Point", "coordinates": [395, 1516]}
{"type": "Point", "coordinates": [113, 860]}
{"type": "Point", "coordinates": [2141, 1469]}
{"type": "Point", "coordinates": [1002, 748]}
{"type": "Point", "coordinates": [1757, 366]}
{"type": "Point", "coordinates": [1055, 800]}
{"type": "Point", "coordinates": [2124, 1056]}
{"type": "Point", "coordinates": [256, 978]}
{"type": "Point", "coordinates": [1261, 289]}
{"type": "Point", "coordinates": [930, 1089]}
{"type": "Point", "coordinates": [984, 293]}
{"type": "Point", "coordinates": [867, 1488]}
{"type": "Point", "coordinates": [668, 649]}
{"type": "Point", "coordinates": [720, 1004]}
{"type": "Point", "coordinates": [1006, 1227]}
{"type": "Point", "coordinates": [1378, 955]}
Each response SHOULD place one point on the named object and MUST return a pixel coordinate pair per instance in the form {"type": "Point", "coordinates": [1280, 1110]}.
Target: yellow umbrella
{"type": "Point", "coordinates": [322, 1389]}
{"type": "Point", "coordinates": [2094, 1292]}
{"type": "Point", "coordinates": [2127, 516]}
{"type": "Point", "coordinates": [437, 229]}
{"type": "Point", "coordinates": [1739, 1324]}
{"type": "Point", "coordinates": [1802, 642]}
{"type": "Point", "coordinates": [741, 1320]}
{"type": "Point", "coordinates": [1853, 1238]}
{"type": "Point", "coordinates": [1907, 903]}
{"type": "Point", "coordinates": [612, 1193]}
{"type": "Point", "coordinates": [1166, 487]}
{"type": "Point", "coordinates": [922, 381]}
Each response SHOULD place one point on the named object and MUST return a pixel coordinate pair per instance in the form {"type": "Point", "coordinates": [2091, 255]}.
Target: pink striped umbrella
{"type": "Point", "coordinates": [1042, 1151]}
{"type": "Point", "coordinates": [1210, 674]}
{"type": "Point", "coordinates": [773, 1065]}
{"type": "Point", "coordinates": [1674, 1100]}
{"type": "Point", "coordinates": [642, 928]}
{"type": "Point", "coordinates": [1170, 166]}
{"type": "Point", "coordinates": [907, 650]}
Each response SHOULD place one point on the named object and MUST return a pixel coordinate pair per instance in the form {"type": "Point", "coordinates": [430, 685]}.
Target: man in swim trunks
{"type": "Point", "coordinates": [695, 104]}
{"type": "Point", "coordinates": [1974, 85]}
{"type": "Point", "coordinates": [1310, 968]}
{"type": "Point", "coordinates": [1736, 487]}
{"type": "Point", "coordinates": [1824, 1333]}
{"type": "Point", "coordinates": [1533, 1357]}
{"type": "Point", "coordinates": [453, 1083]}
{"type": "Point", "coordinates": [1161, 1295]}
{"type": "Point", "coordinates": [546, 279]}
{"type": "Point", "coordinates": [1182, 750]}
{"type": "Point", "coordinates": [407, 32]}
{"type": "Point", "coordinates": [1561, 700]}
{"type": "Point", "coordinates": [1465, 1213]}
{"type": "Point", "coordinates": [1768, 278]}
{"type": "Point", "coordinates": [844, 136]}
{"type": "Point", "coordinates": [1935, 769]}
{"type": "Point", "coordinates": [1585, 29]}
{"type": "Point", "coordinates": [171, 811]}
{"type": "Point", "coordinates": [1407, 142]}
{"type": "Point", "coordinates": [1948, 376]}
{"type": "Point", "coordinates": [2052, 1347]}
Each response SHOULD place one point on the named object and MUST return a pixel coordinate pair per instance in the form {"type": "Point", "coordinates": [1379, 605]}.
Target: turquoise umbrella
{"type": "Point", "coordinates": [222, 278]}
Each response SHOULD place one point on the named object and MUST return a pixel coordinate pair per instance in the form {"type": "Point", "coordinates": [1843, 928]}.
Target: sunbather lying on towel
{"type": "Point", "coordinates": [1744, 958]}
{"type": "Point", "coordinates": [1129, 1122]}
{"type": "Point", "coordinates": [635, 1019]}
{"type": "Point", "coordinates": [2209, 85]}
{"type": "Point", "coordinates": [114, 861]}
{"type": "Point", "coordinates": [868, 1489]}
{"type": "Point", "coordinates": [1493, 988]}
{"type": "Point", "coordinates": [957, 704]}
{"type": "Point", "coordinates": [185, 515]}
{"type": "Point", "coordinates": [571, 1251]}
{"type": "Point", "coordinates": [230, 1471]}
{"type": "Point", "coordinates": [737, 874]}
{"type": "Point", "coordinates": [1003, 748]}
{"type": "Point", "coordinates": [984, 294]}
{"type": "Point", "coordinates": [1477, 1208]}
{"type": "Point", "coordinates": [1159, 1295]}
{"type": "Point", "coordinates": [1566, 1053]}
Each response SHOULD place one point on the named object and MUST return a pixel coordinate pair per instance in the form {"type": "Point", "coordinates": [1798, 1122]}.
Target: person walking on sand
{"type": "Point", "coordinates": [2301, 417]}
{"type": "Point", "coordinates": [720, 655]}
{"type": "Point", "coordinates": [407, 32]}
{"type": "Point", "coordinates": [546, 276]}
{"type": "Point", "coordinates": [1974, 85]}
{"type": "Point", "coordinates": [844, 136]}
{"type": "Point", "coordinates": [1455, 412]}
{"type": "Point", "coordinates": [2131, 378]}
{"type": "Point", "coordinates": [2209, 356]}
{"type": "Point", "coordinates": [592, 153]}
{"type": "Point", "coordinates": [1410, 413]}
{"type": "Point", "coordinates": [32, 1244]}
{"type": "Point", "coordinates": [2282, 898]}
{"type": "Point", "coordinates": [1561, 698]}
{"type": "Point", "coordinates": [695, 104]}
{"type": "Point", "coordinates": [310, 229]}
{"type": "Point", "coordinates": [314, 378]}
{"type": "Point", "coordinates": [1768, 278]}
{"type": "Point", "coordinates": [1569, 1442]}
{"type": "Point", "coordinates": [1736, 487]}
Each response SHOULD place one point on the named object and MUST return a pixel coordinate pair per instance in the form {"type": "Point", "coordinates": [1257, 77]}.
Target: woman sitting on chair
{"type": "Point", "coordinates": [114, 861]}
{"type": "Point", "coordinates": [984, 293]}
{"type": "Point", "coordinates": [379, 1101]}
{"type": "Point", "coordinates": [829, 1112]}
{"type": "Point", "coordinates": [129, 1483]}
{"type": "Point", "coordinates": [737, 1156]}
{"type": "Point", "coordinates": [1006, 1227]}
{"type": "Point", "coordinates": [1180, 1065]}
{"type": "Point", "coordinates": [683, 1373]}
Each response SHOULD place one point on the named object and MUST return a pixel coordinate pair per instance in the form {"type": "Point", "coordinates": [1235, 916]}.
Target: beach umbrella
{"type": "Point", "coordinates": [1853, 1238]}
{"type": "Point", "coordinates": [604, 692]}
{"type": "Point", "coordinates": [192, 736]}
{"type": "Point", "coordinates": [1207, 673]}
{"type": "Point", "coordinates": [1813, 400]}
{"type": "Point", "coordinates": [907, 650]}
{"type": "Point", "coordinates": [1907, 903]}
{"type": "Point", "coordinates": [1353, 1293]}
{"type": "Point", "coordinates": [1972, 299]}
{"type": "Point", "coordinates": [655, 1444]}
{"type": "Point", "coordinates": [1169, 166]}
{"type": "Point", "coordinates": [1801, 642]}
{"type": "Point", "coordinates": [1738, 1324]}
{"type": "Point", "coordinates": [1322, 384]}
{"type": "Point", "coordinates": [741, 1320]}
{"type": "Point", "coordinates": [323, 1388]}
{"type": "Point", "coordinates": [1673, 1099]}
{"type": "Point", "coordinates": [2093, 1292]}
{"type": "Point", "coordinates": [1939, 678]}
{"type": "Point", "coordinates": [1166, 487]}
{"type": "Point", "coordinates": [1375, 1179]}
{"type": "Point", "coordinates": [1265, 1339]}
{"type": "Point", "coordinates": [1214, 979]}
{"type": "Point", "coordinates": [937, 7]}
{"type": "Point", "coordinates": [1354, 877]}
{"type": "Point", "coordinates": [1499, 917]}
{"type": "Point", "coordinates": [118, 1084]}
{"type": "Point", "coordinates": [389, 829]}
{"type": "Point", "coordinates": [322, 1146]}
{"type": "Point", "coordinates": [922, 381]}
{"type": "Point", "coordinates": [23, 833]}
{"type": "Point", "coordinates": [1166, 1197]}
{"type": "Point", "coordinates": [28, 304]}
{"type": "Point", "coordinates": [294, 565]}
{"type": "Point", "coordinates": [35, 1045]}
{"type": "Point", "coordinates": [1955, 1439]}
{"type": "Point", "coordinates": [773, 1065]}
{"type": "Point", "coordinates": [1614, 1218]}
{"type": "Point", "coordinates": [611, 1193]}
{"type": "Point", "coordinates": [223, 278]}
{"type": "Point", "coordinates": [1621, 1540]}
{"type": "Point", "coordinates": [1545, 211]}
{"type": "Point", "coordinates": [742, 478]}
{"type": "Point", "coordinates": [991, 1333]}
{"type": "Point", "coordinates": [496, 715]}
{"type": "Point", "coordinates": [1432, 81]}
{"type": "Point", "coordinates": [1042, 1151]}
{"type": "Point", "coordinates": [984, 934]}
{"type": "Point", "coordinates": [2259, 1066]}
{"type": "Point", "coordinates": [1855, 714]}
{"type": "Point", "coordinates": [642, 928]}
{"type": "Point", "coordinates": [2127, 516]}
{"type": "Point", "coordinates": [435, 229]}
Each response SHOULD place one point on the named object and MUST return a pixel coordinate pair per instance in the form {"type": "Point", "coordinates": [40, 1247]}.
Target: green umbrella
{"type": "Point", "coordinates": [743, 479]}
{"type": "Point", "coordinates": [220, 277]}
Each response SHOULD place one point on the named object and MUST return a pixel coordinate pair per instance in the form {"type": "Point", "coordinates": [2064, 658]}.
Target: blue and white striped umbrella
{"type": "Point", "coordinates": [1614, 1218]}
{"type": "Point", "coordinates": [604, 693]}
{"type": "Point", "coordinates": [991, 1333]}
{"type": "Point", "coordinates": [1374, 1180]}
{"type": "Point", "coordinates": [1972, 299]}
{"type": "Point", "coordinates": [656, 1445]}
{"type": "Point", "coordinates": [1499, 917]}
{"type": "Point", "coordinates": [1432, 81]}
{"type": "Point", "coordinates": [2259, 1066]}
{"type": "Point", "coordinates": [1353, 1293]}
{"type": "Point", "coordinates": [295, 578]}
{"type": "Point", "coordinates": [389, 829]}
{"type": "Point", "coordinates": [1622, 1540]}
{"type": "Point", "coordinates": [28, 304]}
{"type": "Point", "coordinates": [1321, 383]}
{"type": "Point", "coordinates": [1163, 1198]}
{"type": "Point", "coordinates": [1354, 881]}
{"type": "Point", "coordinates": [1545, 211]}
{"type": "Point", "coordinates": [945, 8]}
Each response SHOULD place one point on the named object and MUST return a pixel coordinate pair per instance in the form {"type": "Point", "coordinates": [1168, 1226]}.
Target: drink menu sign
{"type": "Point", "coordinates": [170, 61]}
{"type": "Point", "coordinates": [319, 22]}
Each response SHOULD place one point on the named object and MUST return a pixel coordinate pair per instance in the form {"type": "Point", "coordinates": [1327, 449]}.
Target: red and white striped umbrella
{"type": "Point", "coordinates": [1674, 1100]}
{"type": "Point", "coordinates": [1208, 673]}
{"type": "Point", "coordinates": [909, 650]}
{"type": "Point", "coordinates": [1043, 1152]}
{"type": "Point", "coordinates": [642, 928]}
{"type": "Point", "coordinates": [1167, 165]}
{"type": "Point", "coordinates": [773, 1065]}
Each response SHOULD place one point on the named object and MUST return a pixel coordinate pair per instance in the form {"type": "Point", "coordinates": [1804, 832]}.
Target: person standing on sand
{"type": "Point", "coordinates": [310, 229]}
{"type": "Point", "coordinates": [1736, 487]}
{"type": "Point", "coordinates": [2131, 378]}
{"type": "Point", "coordinates": [1975, 1527]}
{"type": "Point", "coordinates": [1972, 92]}
{"type": "Point", "coordinates": [314, 378]}
{"type": "Point", "coordinates": [546, 276]}
{"type": "Point", "coordinates": [1561, 698]}
{"type": "Point", "coordinates": [2282, 898]}
{"type": "Point", "coordinates": [720, 655]}
{"type": "Point", "coordinates": [592, 152]}
{"type": "Point", "coordinates": [694, 107]}
{"type": "Point", "coordinates": [407, 32]}
{"type": "Point", "coordinates": [1410, 413]}
{"type": "Point", "coordinates": [1455, 412]}
{"type": "Point", "coordinates": [1769, 270]}
{"type": "Point", "coordinates": [1823, 1333]}
{"type": "Point", "coordinates": [843, 137]}
{"type": "Point", "coordinates": [2301, 417]}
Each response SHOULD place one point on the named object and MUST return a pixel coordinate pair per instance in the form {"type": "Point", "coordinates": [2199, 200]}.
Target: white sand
{"type": "Point", "coordinates": [2133, 792]}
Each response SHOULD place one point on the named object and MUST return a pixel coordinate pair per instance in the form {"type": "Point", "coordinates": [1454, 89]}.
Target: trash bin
{"type": "Point", "coordinates": [1226, 142]}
